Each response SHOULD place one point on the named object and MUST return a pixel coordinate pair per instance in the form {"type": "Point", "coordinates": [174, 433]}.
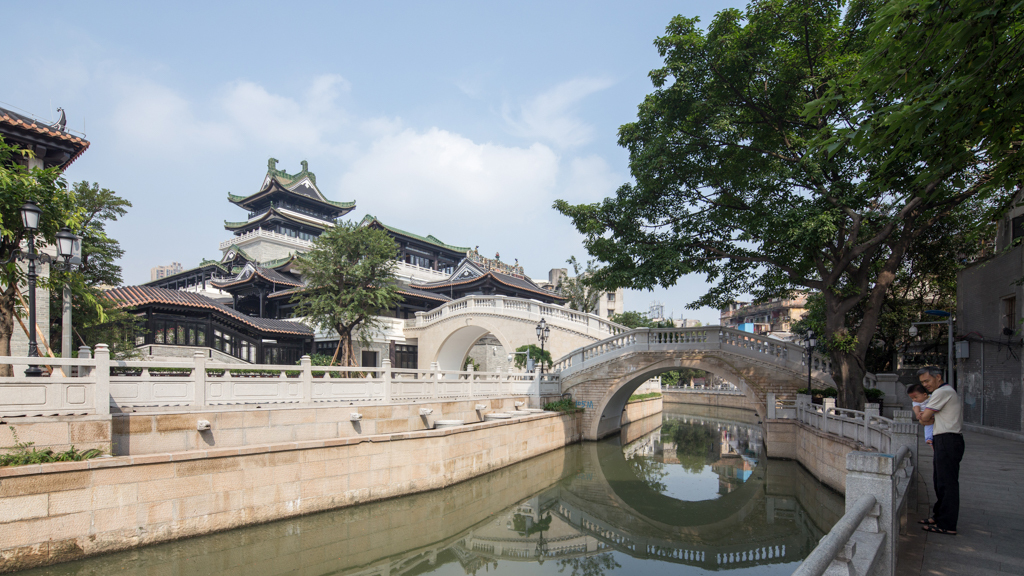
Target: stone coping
{"type": "Point", "coordinates": [120, 461]}
{"type": "Point", "coordinates": [651, 399]}
{"type": "Point", "coordinates": [264, 406]}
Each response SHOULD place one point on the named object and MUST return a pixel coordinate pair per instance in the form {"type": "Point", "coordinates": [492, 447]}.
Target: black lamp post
{"type": "Point", "coordinates": [30, 214]}
{"type": "Point", "coordinates": [809, 343]}
{"type": "Point", "coordinates": [543, 332]}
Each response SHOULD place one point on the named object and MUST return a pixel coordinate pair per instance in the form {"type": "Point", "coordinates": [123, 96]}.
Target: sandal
{"type": "Point", "coordinates": [937, 530]}
{"type": "Point", "coordinates": [927, 521]}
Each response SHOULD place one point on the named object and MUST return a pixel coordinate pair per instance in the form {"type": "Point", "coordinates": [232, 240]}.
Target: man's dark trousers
{"type": "Point", "coordinates": [949, 451]}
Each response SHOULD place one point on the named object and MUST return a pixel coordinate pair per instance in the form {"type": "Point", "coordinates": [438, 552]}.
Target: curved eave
{"type": "Point", "coordinates": [539, 291]}
{"type": "Point", "coordinates": [288, 215]}
{"type": "Point", "coordinates": [246, 201]}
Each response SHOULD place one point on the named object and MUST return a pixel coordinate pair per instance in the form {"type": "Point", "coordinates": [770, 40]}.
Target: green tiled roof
{"type": "Point", "coordinates": [429, 239]}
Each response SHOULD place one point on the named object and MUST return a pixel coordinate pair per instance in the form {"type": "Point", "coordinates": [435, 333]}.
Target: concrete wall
{"type": "Point", "coordinates": [59, 512]}
{"type": "Point", "coordinates": [640, 409]}
{"type": "Point", "coordinates": [823, 455]}
{"type": "Point", "coordinates": [741, 401]}
{"type": "Point", "coordinates": [991, 380]}
{"type": "Point", "coordinates": [148, 433]}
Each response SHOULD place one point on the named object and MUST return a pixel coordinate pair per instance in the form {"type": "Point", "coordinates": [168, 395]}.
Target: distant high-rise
{"type": "Point", "coordinates": [158, 272]}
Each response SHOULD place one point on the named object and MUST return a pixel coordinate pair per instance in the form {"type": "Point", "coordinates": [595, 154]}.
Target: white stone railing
{"type": "Point", "coordinates": [866, 539]}
{"type": "Point", "coordinates": [414, 271]}
{"type": "Point", "coordinates": [261, 233]}
{"type": "Point", "coordinates": [790, 355]}
{"type": "Point", "coordinates": [867, 427]}
{"type": "Point", "coordinates": [518, 308]}
{"type": "Point", "coordinates": [198, 382]}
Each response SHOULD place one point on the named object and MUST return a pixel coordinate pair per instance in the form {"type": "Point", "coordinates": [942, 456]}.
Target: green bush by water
{"type": "Point", "coordinates": [565, 405]}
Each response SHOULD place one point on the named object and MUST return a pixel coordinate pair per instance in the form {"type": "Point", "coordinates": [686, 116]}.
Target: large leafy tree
{"type": "Point", "coordinates": [744, 172]}
{"type": "Point", "coordinates": [350, 279]}
{"type": "Point", "coordinates": [18, 185]}
{"type": "Point", "coordinates": [581, 294]}
{"type": "Point", "coordinates": [95, 318]}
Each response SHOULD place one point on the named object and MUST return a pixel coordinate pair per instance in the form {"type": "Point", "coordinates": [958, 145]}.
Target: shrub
{"type": "Point", "coordinates": [22, 453]}
{"type": "Point", "coordinates": [565, 405]}
{"type": "Point", "coordinates": [874, 394]}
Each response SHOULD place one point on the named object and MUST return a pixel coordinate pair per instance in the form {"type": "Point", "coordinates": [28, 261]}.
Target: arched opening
{"type": "Point", "coordinates": [487, 347]}
{"type": "Point", "coordinates": [614, 402]}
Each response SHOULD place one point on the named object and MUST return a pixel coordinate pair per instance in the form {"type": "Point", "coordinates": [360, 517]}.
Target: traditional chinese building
{"type": "Point", "coordinates": [255, 278]}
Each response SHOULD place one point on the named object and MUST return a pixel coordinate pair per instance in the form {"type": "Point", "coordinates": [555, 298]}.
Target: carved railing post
{"type": "Point", "coordinates": [385, 366]}
{"type": "Point", "coordinates": [199, 378]}
{"type": "Point", "coordinates": [102, 375]}
{"type": "Point", "coordinates": [435, 379]}
{"type": "Point", "coordinates": [306, 376]}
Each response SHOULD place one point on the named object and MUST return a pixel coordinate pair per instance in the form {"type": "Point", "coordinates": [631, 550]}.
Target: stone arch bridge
{"type": "Point", "coordinates": [602, 376]}
{"type": "Point", "coordinates": [601, 363]}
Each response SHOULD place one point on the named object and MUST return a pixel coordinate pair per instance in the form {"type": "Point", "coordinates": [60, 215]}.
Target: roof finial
{"type": "Point", "coordinates": [305, 166]}
{"type": "Point", "coordinates": [272, 165]}
{"type": "Point", "coordinates": [61, 123]}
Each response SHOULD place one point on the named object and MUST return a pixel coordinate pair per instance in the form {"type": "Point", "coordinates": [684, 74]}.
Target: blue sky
{"type": "Point", "coordinates": [458, 119]}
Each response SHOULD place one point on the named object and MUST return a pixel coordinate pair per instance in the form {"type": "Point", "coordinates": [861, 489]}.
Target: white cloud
{"type": "Point", "coordinates": [150, 118]}
{"type": "Point", "coordinates": [550, 116]}
{"type": "Point", "coordinates": [589, 179]}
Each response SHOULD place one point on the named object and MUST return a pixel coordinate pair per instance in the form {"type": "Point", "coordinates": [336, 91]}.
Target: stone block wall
{"type": "Point", "coordinates": [58, 433]}
{"type": "Point", "coordinates": [63, 511]}
{"type": "Point", "coordinates": [147, 433]}
{"type": "Point", "coordinates": [822, 454]}
{"type": "Point", "coordinates": [740, 401]}
{"type": "Point", "coordinates": [641, 409]}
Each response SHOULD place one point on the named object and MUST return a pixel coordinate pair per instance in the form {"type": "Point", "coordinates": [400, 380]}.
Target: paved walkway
{"type": "Point", "coordinates": [990, 537]}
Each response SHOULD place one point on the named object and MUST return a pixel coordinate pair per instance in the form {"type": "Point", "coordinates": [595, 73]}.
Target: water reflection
{"type": "Point", "coordinates": [688, 489]}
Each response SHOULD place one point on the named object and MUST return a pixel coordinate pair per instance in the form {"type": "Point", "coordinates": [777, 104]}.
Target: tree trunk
{"type": "Point", "coordinates": [848, 371]}
{"type": "Point", "coordinates": [6, 329]}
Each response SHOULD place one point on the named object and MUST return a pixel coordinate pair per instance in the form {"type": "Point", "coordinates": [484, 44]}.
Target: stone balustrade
{"type": "Point", "coordinates": [261, 233]}
{"type": "Point", "coordinates": [75, 384]}
{"type": "Point", "coordinates": [866, 427]}
{"type": "Point", "coordinates": [783, 354]}
{"type": "Point", "coordinates": [531, 310]}
{"type": "Point", "coordinates": [866, 539]}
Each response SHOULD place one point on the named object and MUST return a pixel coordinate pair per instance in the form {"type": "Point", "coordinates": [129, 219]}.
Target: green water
{"type": "Point", "coordinates": [682, 493]}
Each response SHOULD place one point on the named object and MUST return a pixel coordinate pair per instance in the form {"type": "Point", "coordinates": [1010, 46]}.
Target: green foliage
{"type": "Point", "coordinates": [639, 397]}
{"type": "Point", "coordinates": [350, 275]}
{"type": "Point", "coordinates": [874, 394]}
{"type": "Point", "coordinates": [632, 319]}
{"type": "Point", "coordinates": [470, 362]}
{"type": "Point", "coordinates": [582, 296]}
{"type": "Point", "coordinates": [740, 173]}
{"type": "Point", "coordinates": [535, 353]}
{"type": "Point", "coordinates": [682, 376]}
{"type": "Point", "coordinates": [829, 392]}
{"type": "Point", "coordinates": [519, 525]}
{"type": "Point", "coordinates": [595, 565]}
{"type": "Point", "coordinates": [694, 443]}
{"type": "Point", "coordinates": [23, 453]}
{"type": "Point", "coordinates": [565, 405]}
{"type": "Point", "coordinates": [18, 185]}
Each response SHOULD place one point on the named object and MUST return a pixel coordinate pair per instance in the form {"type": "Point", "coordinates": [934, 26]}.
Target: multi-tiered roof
{"type": "Point", "coordinates": [290, 204]}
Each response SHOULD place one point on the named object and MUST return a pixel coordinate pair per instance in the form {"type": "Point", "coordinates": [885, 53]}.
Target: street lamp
{"type": "Point", "coordinates": [949, 338]}
{"type": "Point", "coordinates": [543, 332]}
{"type": "Point", "coordinates": [809, 342]}
{"type": "Point", "coordinates": [30, 215]}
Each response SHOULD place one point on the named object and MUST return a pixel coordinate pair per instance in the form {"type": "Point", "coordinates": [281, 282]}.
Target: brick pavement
{"type": "Point", "coordinates": [990, 539]}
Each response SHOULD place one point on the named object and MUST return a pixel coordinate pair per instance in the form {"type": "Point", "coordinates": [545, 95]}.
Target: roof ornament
{"type": "Point", "coordinates": [61, 124]}
{"type": "Point", "coordinates": [272, 165]}
{"type": "Point", "coordinates": [305, 166]}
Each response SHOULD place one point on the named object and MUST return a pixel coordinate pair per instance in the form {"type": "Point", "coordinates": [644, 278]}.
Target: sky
{"type": "Point", "coordinates": [465, 120]}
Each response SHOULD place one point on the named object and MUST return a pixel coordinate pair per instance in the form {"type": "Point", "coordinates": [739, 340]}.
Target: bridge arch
{"type": "Point", "coordinates": [452, 351]}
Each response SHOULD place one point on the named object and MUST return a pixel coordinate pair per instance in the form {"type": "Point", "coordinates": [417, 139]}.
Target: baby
{"type": "Point", "coordinates": [919, 396]}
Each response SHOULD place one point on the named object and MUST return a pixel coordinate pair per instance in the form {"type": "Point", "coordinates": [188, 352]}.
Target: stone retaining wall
{"type": "Point", "coordinates": [57, 512]}
{"type": "Point", "coordinates": [58, 433]}
{"type": "Point", "coordinates": [822, 454]}
{"type": "Point", "coordinates": [232, 427]}
{"type": "Point", "coordinates": [640, 409]}
{"type": "Point", "coordinates": [709, 399]}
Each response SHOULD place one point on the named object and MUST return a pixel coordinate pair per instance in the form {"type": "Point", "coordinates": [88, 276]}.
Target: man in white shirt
{"type": "Point", "coordinates": [944, 411]}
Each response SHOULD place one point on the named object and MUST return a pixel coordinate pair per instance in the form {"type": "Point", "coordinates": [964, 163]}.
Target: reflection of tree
{"type": "Point", "coordinates": [694, 442]}
{"type": "Point", "coordinates": [519, 525]}
{"type": "Point", "coordinates": [649, 471]}
{"type": "Point", "coordinates": [589, 566]}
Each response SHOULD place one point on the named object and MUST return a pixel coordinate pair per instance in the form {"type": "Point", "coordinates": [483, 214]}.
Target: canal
{"type": "Point", "coordinates": [685, 492]}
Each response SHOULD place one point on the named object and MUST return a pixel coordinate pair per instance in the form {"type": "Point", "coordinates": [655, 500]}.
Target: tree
{"type": "Point", "coordinates": [535, 352]}
{"type": "Point", "coordinates": [95, 318]}
{"type": "Point", "coordinates": [632, 319]}
{"type": "Point", "coordinates": [741, 174]}
{"type": "Point", "coordinates": [582, 296]}
{"type": "Point", "coordinates": [19, 184]}
{"type": "Point", "coordinates": [350, 279]}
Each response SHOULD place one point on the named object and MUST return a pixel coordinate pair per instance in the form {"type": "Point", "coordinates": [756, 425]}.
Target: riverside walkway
{"type": "Point", "coordinates": [990, 537]}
